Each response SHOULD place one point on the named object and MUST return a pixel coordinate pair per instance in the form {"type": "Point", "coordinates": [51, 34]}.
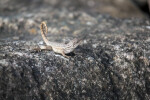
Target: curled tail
{"type": "Point", "coordinates": [44, 32]}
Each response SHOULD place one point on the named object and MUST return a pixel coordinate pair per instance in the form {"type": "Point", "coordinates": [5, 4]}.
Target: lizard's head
{"type": "Point", "coordinates": [72, 45]}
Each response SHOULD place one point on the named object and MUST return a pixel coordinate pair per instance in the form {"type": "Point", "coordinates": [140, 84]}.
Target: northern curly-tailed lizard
{"type": "Point", "coordinates": [61, 48]}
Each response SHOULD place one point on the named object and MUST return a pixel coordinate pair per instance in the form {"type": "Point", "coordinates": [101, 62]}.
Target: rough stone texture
{"type": "Point", "coordinates": [113, 62]}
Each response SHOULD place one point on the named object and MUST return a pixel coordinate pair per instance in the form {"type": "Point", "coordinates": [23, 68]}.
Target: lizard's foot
{"type": "Point", "coordinates": [36, 49]}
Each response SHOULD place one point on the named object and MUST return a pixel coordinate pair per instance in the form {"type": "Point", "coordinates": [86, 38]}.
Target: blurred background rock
{"type": "Point", "coordinates": [116, 8]}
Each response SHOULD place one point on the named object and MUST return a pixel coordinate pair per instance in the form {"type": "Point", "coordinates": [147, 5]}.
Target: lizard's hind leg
{"type": "Point", "coordinates": [42, 48]}
{"type": "Point", "coordinates": [45, 47]}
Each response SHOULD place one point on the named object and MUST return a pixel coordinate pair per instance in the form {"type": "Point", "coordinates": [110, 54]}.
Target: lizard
{"type": "Point", "coordinates": [61, 48]}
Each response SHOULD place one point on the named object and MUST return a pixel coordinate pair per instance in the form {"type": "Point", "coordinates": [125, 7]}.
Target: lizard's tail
{"type": "Point", "coordinates": [44, 32]}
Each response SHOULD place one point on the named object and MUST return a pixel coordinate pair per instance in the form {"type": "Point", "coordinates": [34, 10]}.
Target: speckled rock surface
{"type": "Point", "coordinates": [111, 63]}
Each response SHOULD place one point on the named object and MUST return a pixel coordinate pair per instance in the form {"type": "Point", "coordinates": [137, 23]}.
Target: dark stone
{"type": "Point", "coordinates": [112, 63]}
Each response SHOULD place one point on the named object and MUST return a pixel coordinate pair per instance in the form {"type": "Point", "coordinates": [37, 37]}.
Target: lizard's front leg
{"type": "Point", "coordinates": [64, 54]}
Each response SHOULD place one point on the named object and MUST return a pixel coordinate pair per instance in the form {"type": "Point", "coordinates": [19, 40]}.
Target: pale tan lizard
{"type": "Point", "coordinates": [61, 48]}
